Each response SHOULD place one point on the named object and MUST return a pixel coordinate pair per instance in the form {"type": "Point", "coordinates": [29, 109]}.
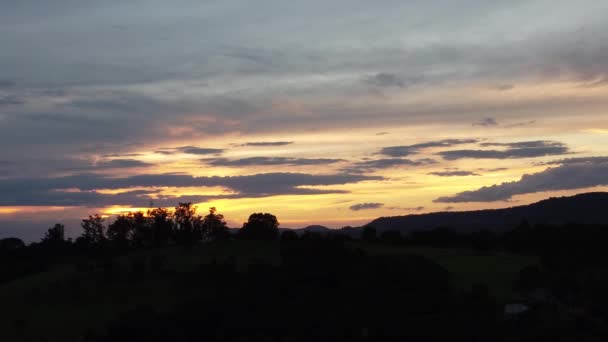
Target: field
{"type": "Point", "coordinates": [41, 306]}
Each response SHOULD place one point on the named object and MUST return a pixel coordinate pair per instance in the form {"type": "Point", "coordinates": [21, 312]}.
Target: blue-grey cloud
{"type": "Point", "coordinates": [190, 150]}
{"type": "Point", "coordinates": [385, 163]}
{"type": "Point", "coordinates": [571, 175]}
{"type": "Point", "coordinates": [58, 191]}
{"type": "Point", "coordinates": [486, 122]}
{"type": "Point", "coordinates": [404, 151]}
{"type": "Point", "coordinates": [269, 161]}
{"type": "Point", "coordinates": [454, 173]}
{"type": "Point", "coordinates": [526, 149]}
{"type": "Point", "coordinates": [366, 206]}
{"type": "Point", "coordinates": [388, 80]}
{"type": "Point", "coordinates": [267, 143]}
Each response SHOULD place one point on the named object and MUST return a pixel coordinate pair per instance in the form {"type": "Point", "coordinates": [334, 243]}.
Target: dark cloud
{"type": "Point", "coordinates": [504, 87]}
{"type": "Point", "coordinates": [406, 208]}
{"type": "Point", "coordinates": [10, 100]}
{"type": "Point", "coordinates": [572, 175]}
{"type": "Point", "coordinates": [120, 163]}
{"type": "Point", "coordinates": [403, 151]}
{"type": "Point", "coordinates": [520, 124]}
{"type": "Point", "coordinates": [59, 191]}
{"type": "Point", "coordinates": [268, 143]}
{"type": "Point", "coordinates": [5, 84]}
{"type": "Point", "coordinates": [526, 149]}
{"type": "Point", "coordinates": [454, 173]}
{"type": "Point", "coordinates": [581, 160]}
{"type": "Point", "coordinates": [386, 163]}
{"type": "Point", "coordinates": [486, 122]}
{"type": "Point", "coordinates": [382, 133]}
{"type": "Point", "coordinates": [387, 80]}
{"type": "Point", "coordinates": [496, 169]}
{"type": "Point", "coordinates": [366, 206]}
{"type": "Point", "coordinates": [267, 161]}
{"type": "Point", "coordinates": [190, 150]}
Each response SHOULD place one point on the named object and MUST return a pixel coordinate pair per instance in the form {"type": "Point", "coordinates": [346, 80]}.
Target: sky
{"type": "Point", "coordinates": [320, 112]}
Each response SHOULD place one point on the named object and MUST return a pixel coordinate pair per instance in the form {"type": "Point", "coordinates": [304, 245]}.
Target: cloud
{"type": "Point", "coordinates": [120, 163]}
{"type": "Point", "coordinates": [571, 175]}
{"type": "Point", "coordinates": [10, 100]}
{"type": "Point", "coordinates": [486, 122]}
{"type": "Point", "coordinates": [268, 143]}
{"type": "Point", "coordinates": [581, 160]}
{"type": "Point", "coordinates": [82, 189]}
{"type": "Point", "coordinates": [386, 163]}
{"type": "Point", "coordinates": [505, 87]}
{"type": "Point", "coordinates": [366, 206]}
{"type": "Point", "coordinates": [526, 149]}
{"type": "Point", "coordinates": [267, 161]}
{"type": "Point", "coordinates": [520, 124]}
{"type": "Point", "coordinates": [454, 173]}
{"type": "Point", "coordinates": [406, 208]}
{"type": "Point", "coordinates": [190, 150]}
{"type": "Point", "coordinates": [404, 151]}
{"type": "Point", "coordinates": [5, 84]}
{"type": "Point", "coordinates": [387, 80]}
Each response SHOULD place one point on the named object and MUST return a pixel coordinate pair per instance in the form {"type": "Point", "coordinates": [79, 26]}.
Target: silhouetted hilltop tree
{"type": "Point", "coordinates": [188, 225]}
{"type": "Point", "coordinates": [214, 226]}
{"type": "Point", "coordinates": [260, 227]}
{"type": "Point", "coordinates": [141, 228]}
{"type": "Point", "coordinates": [120, 232]}
{"type": "Point", "coordinates": [161, 226]}
{"type": "Point", "coordinates": [93, 229]}
{"type": "Point", "coordinates": [11, 244]}
{"type": "Point", "coordinates": [55, 234]}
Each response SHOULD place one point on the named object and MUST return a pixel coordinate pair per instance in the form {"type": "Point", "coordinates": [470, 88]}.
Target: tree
{"type": "Point", "coordinates": [161, 226]}
{"type": "Point", "coordinates": [214, 226]}
{"type": "Point", "coordinates": [11, 244]}
{"type": "Point", "coordinates": [55, 234]}
{"type": "Point", "coordinates": [260, 227]}
{"type": "Point", "coordinates": [94, 230]}
{"type": "Point", "coordinates": [120, 232]}
{"type": "Point", "coordinates": [368, 234]}
{"type": "Point", "coordinates": [188, 226]}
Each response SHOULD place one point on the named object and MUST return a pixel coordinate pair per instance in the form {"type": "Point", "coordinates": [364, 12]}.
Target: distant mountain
{"type": "Point", "coordinates": [586, 208]}
{"type": "Point", "coordinates": [311, 229]}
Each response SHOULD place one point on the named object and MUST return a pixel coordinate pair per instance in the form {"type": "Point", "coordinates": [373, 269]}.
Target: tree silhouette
{"type": "Point", "coordinates": [188, 226]}
{"type": "Point", "coordinates": [94, 230]}
{"type": "Point", "coordinates": [55, 234]}
{"type": "Point", "coordinates": [260, 227]}
{"type": "Point", "coordinates": [11, 244]}
{"type": "Point", "coordinates": [141, 230]}
{"type": "Point", "coordinates": [161, 226]}
{"type": "Point", "coordinates": [120, 232]}
{"type": "Point", "coordinates": [214, 226]}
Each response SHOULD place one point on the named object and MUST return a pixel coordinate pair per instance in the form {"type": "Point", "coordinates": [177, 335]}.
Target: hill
{"type": "Point", "coordinates": [589, 208]}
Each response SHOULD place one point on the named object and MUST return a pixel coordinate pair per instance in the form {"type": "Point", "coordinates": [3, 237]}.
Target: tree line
{"type": "Point", "coordinates": [161, 227]}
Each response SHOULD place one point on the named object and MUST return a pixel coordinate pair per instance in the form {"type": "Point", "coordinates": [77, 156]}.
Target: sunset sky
{"type": "Point", "coordinates": [320, 112]}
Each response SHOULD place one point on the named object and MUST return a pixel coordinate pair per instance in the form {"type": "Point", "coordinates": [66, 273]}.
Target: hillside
{"type": "Point", "coordinates": [586, 208]}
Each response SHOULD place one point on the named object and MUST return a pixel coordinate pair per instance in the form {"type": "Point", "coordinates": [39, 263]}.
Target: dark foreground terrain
{"type": "Point", "coordinates": [533, 282]}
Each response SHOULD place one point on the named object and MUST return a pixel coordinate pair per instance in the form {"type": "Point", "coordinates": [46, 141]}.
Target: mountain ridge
{"type": "Point", "coordinates": [586, 208]}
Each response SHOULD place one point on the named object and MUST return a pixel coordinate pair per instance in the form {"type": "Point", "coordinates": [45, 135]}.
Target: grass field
{"type": "Point", "coordinates": [497, 271]}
